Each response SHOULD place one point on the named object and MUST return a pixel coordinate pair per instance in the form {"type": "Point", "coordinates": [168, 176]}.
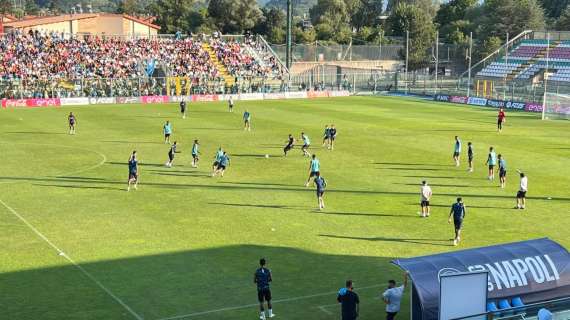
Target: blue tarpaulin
{"type": "Point", "coordinates": [535, 270]}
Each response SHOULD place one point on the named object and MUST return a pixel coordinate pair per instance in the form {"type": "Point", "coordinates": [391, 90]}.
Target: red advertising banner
{"type": "Point", "coordinates": [458, 99]}
{"type": "Point", "coordinates": [205, 97]}
{"type": "Point", "coordinates": [154, 99]}
{"type": "Point", "coordinates": [31, 103]}
{"type": "Point", "coordinates": [318, 94]}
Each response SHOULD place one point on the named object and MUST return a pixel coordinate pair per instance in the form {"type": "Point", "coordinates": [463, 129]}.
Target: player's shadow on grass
{"type": "Point", "coordinates": [34, 132]}
{"type": "Point", "coordinates": [76, 187]}
{"type": "Point", "coordinates": [430, 177]}
{"type": "Point", "coordinates": [187, 174]}
{"type": "Point", "coordinates": [261, 206]}
{"type": "Point", "coordinates": [135, 142]}
{"type": "Point", "coordinates": [249, 155]}
{"type": "Point", "coordinates": [260, 184]}
{"type": "Point", "coordinates": [410, 169]}
{"type": "Point", "coordinates": [361, 214]}
{"type": "Point", "coordinates": [140, 164]}
{"type": "Point", "coordinates": [216, 280]}
{"type": "Point", "coordinates": [413, 164]}
{"type": "Point", "coordinates": [469, 206]}
{"type": "Point", "coordinates": [431, 242]}
{"type": "Point", "coordinates": [443, 185]}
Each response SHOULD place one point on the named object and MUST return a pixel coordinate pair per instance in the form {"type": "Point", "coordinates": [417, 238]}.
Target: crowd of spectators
{"type": "Point", "coordinates": [40, 65]}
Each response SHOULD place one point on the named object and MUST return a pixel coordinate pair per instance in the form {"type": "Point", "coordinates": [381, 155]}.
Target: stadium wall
{"type": "Point", "coordinates": [492, 103]}
{"type": "Point", "coordinates": [57, 102]}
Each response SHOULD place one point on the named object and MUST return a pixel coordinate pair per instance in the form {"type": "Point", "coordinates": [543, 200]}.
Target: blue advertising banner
{"type": "Point", "coordinates": [534, 270]}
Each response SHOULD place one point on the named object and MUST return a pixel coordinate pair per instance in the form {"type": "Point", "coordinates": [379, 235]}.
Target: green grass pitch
{"type": "Point", "coordinates": [185, 245]}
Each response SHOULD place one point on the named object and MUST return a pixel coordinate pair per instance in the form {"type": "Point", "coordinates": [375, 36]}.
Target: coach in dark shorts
{"type": "Point", "coordinates": [349, 302]}
{"type": "Point", "coordinates": [262, 278]}
{"type": "Point", "coordinates": [458, 213]}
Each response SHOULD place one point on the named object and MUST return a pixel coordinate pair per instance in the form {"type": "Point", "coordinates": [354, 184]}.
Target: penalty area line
{"type": "Point", "coordinates": [201, 313]}
{"type": "Point", "coordinates": [63, 254]}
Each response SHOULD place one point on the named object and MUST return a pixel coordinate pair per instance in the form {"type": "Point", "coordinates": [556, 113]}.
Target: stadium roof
{"type": "Point", "coordinates": [36, 21]}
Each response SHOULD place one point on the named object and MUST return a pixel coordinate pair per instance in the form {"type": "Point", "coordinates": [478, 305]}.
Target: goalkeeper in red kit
{"type": "Point", "coordinates": [501, 118]}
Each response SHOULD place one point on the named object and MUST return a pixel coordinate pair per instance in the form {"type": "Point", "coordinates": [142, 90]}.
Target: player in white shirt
{"type": "Point", "coordinates": [425, 198]}
{"type": "Point", "coordinates": [521, 194]}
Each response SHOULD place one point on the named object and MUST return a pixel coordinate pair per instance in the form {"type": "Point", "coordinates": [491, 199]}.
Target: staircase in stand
{"type": "Point", "coordinates": [228, 79]}
{"type": "Point", "coordinates": [523, 67]}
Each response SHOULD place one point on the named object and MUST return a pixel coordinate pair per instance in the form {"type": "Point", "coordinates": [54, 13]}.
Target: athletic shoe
{"type": "Point", "coordinates": [455, 242]}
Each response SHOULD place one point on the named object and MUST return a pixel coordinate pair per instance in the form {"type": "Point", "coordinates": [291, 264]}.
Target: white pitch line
{"type": "Point", "coordinates": [61, 253]}
{"type": "Point", "coordinates": [201, 313]}
{"type": "Point", "coordinates": [324, 308]}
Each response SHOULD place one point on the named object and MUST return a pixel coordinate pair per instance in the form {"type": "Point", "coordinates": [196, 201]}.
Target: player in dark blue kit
{"type": "Point", "coordinates": [458, 213]}
{"type": "Point", "coordinates": [502, 171]}
{"type": "Point", "coordinates": [72, 121]}
{"type": "Point", "coordinates": [183, 108]}
{"type": "Point", "coordinates": [133, 171]}
{"type": "Point", "coordinates": [290, 144]}
{"type": "Point", "coordinates": [326, 135]}
{"type": "Point", "coordinates": [470, 155]}
{"type": "Point", "coordinates": [262, 278]}
{"type": "Point", "coordinates": [321, 184]}
{"type": "Point", "coordinates": [332, 137]}
{"type": "Point", "coordinates": [171, 154]}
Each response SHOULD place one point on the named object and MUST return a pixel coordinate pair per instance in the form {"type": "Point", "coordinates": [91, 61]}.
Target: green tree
{"type": "Point", "coordinates": [512, 16]}
{"type": "Point", "coordinates": [272, 25]}
{"type": "Point", "coordinates": [301, 35]}
{"type": "Point", "coordinates": [554, 8]}
{"type": "Point", "coordinates": [129, 7]}
{"type": "Point", "coordinates": [406, 17]}
{"type": "Point", "coordinates": [5, 6]}
{"type": "Point", "coordinates": [452, 11]}
{"type": "Point", "coordinates": [366, 13]}
{"type": "Point", "coordinates": [173, 15]}
{"type": "Point", "coordinates": [331, 19]}
{"type": "Point", "coordinates": [428, 6]}
{"type": "Point", "coordinates": [489, 46]}
{"type": "Point", "coordinates": [564, 20]}
{"type": "Point", "coordinates": [234, 16]}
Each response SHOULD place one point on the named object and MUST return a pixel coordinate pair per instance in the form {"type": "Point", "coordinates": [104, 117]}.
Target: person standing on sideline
{"type": "Point", "coordinates": [183, 108]}
{"type": "Point", "coordinates": [314, 169]}
{"type": "Point", "coordinates": [262, 278]}
{"type": "Point", "coordinates": [491, 162]}
{"type": "Point", "coordinates": [133, 171]}
{"type": "Point", "coordinates": [231, 104]}
{"type": "Point", "coordinates": [458, 214]}
{"type": "Point", "coordinates": [349, 302]}
{"type": "Point", "coordinates": [321, 184]}
{"type": "Point", "coordinates": [502, 171]}
{"type": "Point", "coordinates": [425, 198]}
{"type": "Point", "coordinates": [393, 297]}
{"type": "Point", "coordinates": [457, 151]}
{"type": "Point", "coordinates": [72, 122]}
{"type": "Point", "coordinates": [470, 155]}
{"type": "Point", "coordinates": [247, 121]}
{"type": "Point", "coordinates": [521, 194]}
{"type": "Point", "coordinates": [167, 130]}
{"type": "Point", "coordinates": [501, 118]}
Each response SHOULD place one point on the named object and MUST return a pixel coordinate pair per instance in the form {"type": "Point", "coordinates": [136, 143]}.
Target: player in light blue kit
{"type": "Point", "coordinates": [457, 151]}
{"type": "Point", "coordinates": [492, 162]}
{"type": "Point", "coordinates": [195, 153]}
{"type": "Point", "coordinates": [167, 130]}
{"type": "Point", "coordinates": [306, 144]}
{"type": "Point", "coordinates": [314, 168]}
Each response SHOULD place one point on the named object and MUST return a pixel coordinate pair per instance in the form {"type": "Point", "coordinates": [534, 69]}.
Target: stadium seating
{"type": "Point", "coordinates": [43, 62]}
{"type": "Point", "coordinates": [491, 307]}
{"type": "Point", "coordinates": [504, 304]}
{"type": "Point", "coordinates": [517, 302]}
{"type": "Point", "coordinates": [529, 59]}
